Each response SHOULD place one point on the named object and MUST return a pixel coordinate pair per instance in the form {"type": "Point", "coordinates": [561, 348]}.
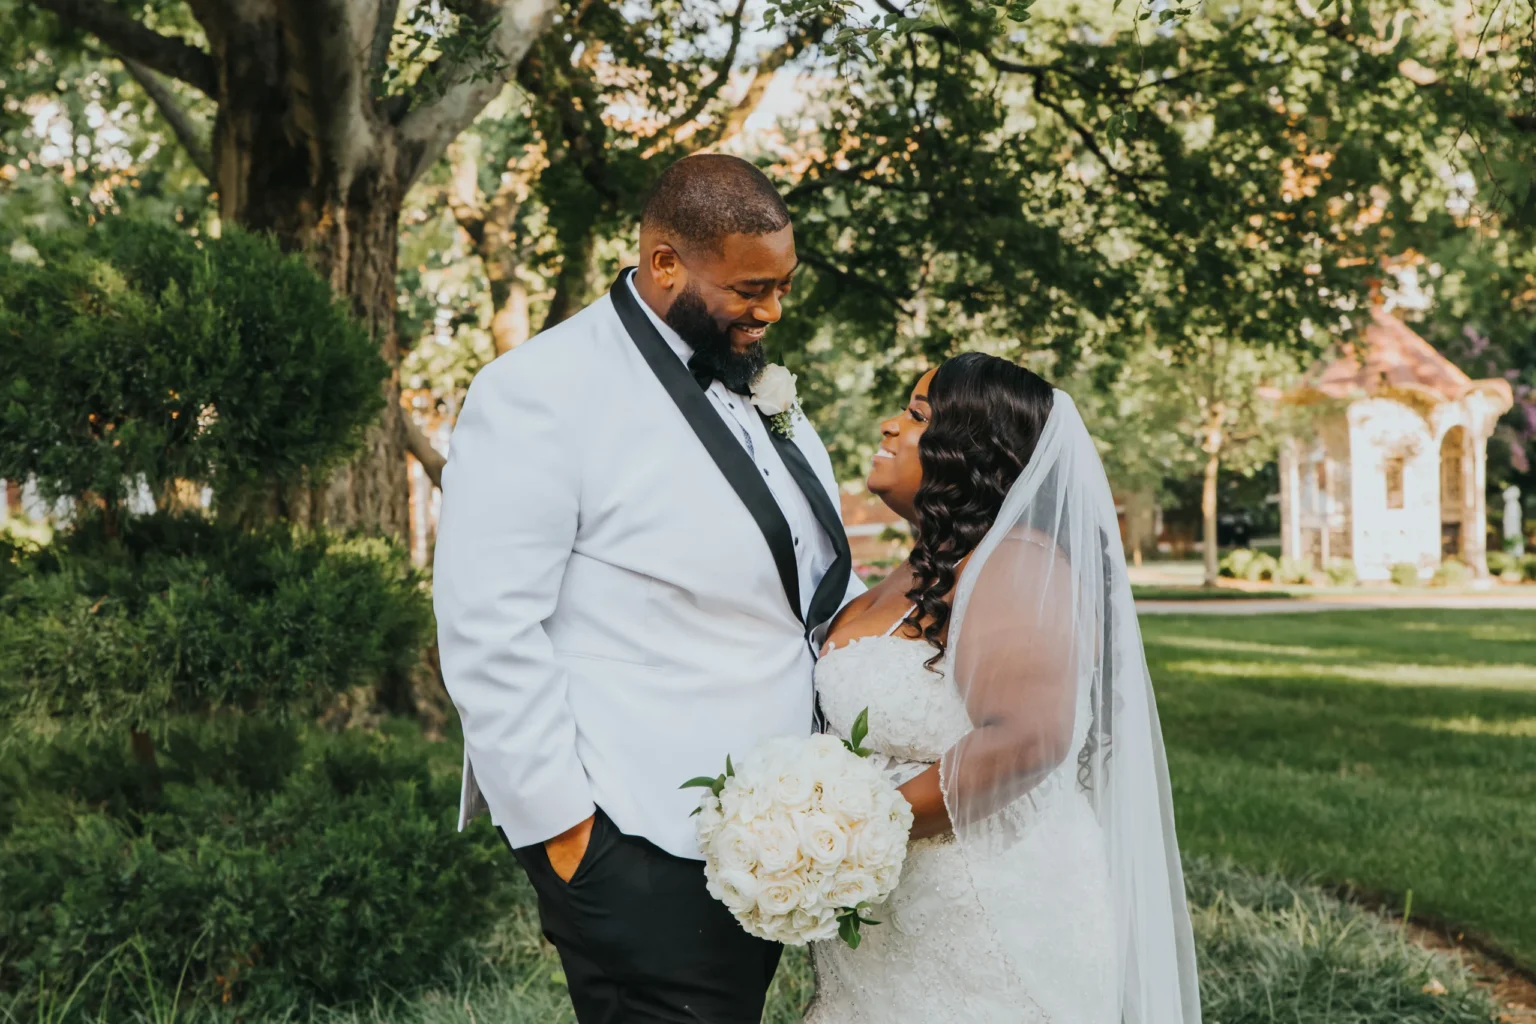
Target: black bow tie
{"type": "Point", "coordinates": [706, 377]}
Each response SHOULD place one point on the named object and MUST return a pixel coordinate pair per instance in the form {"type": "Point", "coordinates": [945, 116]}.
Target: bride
{"type": "Point", "coordinates": [1008, 696]}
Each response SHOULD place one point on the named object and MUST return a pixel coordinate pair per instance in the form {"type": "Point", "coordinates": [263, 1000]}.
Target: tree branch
{"type": "Point", "coordinates": [731, 124]}
{"type": "Point", "coordinates": [580, 120]}
{"type": "Point", "coordinates": [814, 259]}
{"type": "Point", "coordinates": [192, 140]}
{"type": "Point", "coordinates": [709, 91]}
{"type": "Point", "coordinates": [432, 461]}
{"type": "Point", "coordinates": [130, 39]}
{"type": "Point", "coordinates": [427, 130]}
{"type": "Point", "coordinates": [383, 32]}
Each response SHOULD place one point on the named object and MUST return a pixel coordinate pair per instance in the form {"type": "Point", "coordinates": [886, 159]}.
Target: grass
{"type": "Point", "coordinates": [1389, 751]}
{"type": "Point", "coordinates": [1392, 752]}
{"type": "Point", "coordinates": [1153, 592]}
{"type": "Point", "coordinates": [1270, 953]}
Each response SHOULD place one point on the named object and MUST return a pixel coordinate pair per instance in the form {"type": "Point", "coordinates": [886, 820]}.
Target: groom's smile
{"type": "Point", "coordinates": [745, 336]}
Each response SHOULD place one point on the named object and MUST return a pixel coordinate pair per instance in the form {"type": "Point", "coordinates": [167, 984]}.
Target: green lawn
{"type": "Point", "coordinates": [1153, 592]}
{"type": "Point", "coordinates": [1388, 750]}
{"type": "Point", "coordinates": [1270, 953]}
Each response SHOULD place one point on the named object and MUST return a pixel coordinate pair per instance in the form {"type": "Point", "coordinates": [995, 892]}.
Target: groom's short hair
{"type": "Point", "coordinates": [703, 198]}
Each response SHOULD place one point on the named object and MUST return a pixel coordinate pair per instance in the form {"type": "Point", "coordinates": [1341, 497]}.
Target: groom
{"type": "Point", "coordinates": [630, 557]}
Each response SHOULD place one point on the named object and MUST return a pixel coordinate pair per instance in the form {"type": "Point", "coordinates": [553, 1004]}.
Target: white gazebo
{"type": "Point", "coordinates": [1393, 468]}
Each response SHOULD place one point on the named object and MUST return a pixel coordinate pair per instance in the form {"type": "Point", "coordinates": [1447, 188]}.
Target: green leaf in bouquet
{"type": "Point", "coordinates": [850, 922]}
{"type": "Point", "coordinates": [848, 931]}
{"type": "Point", "coordinates": [730, 772]}
{"type": "Point", "coordinates": [856, 738]}
{"type": "Point", "coordinates": [702, 782]}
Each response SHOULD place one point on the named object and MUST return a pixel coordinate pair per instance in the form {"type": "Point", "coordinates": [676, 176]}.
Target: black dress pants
{"type": "Point", "coordinates": [641, 939]}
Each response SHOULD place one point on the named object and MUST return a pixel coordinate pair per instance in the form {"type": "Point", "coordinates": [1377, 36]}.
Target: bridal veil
{"type": "Point", "coordinates": [1047, 655]}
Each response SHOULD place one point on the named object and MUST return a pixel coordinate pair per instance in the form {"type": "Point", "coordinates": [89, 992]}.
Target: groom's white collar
{"type": "Point", "coordinates": [674, 340]}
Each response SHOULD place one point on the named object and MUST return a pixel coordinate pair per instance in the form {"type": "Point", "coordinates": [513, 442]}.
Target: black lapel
{"type": "Point", "coordinates": [734, 462]}
{"type": "Point", "coordinates": [834, 585]}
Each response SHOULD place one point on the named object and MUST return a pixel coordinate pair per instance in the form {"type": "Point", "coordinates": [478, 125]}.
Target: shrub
{"type": "Point", "coordinates": [1269, 951]}
{"type": "Point", "coordinates": [1341, 573]}
{"type": "Point", "coordinates": [345, 881]}
{"type": "Point", "coordinates": [1528, 568]}
{"type": "Point", "coordinates": [136, 351]}
{"type": "Point", "coordinates": [1234, 565]}
{"type": "Point", "coordinates": [1405, 574]}
{"type": "Point", "coordinates": [178, 615]}
{"type": "Point", "coordinates": [1499, 562]}
{"type": "Point", "coordinates": [1452, 573]}
{"type": "Point", "coordinates": [1263, 568]}
{"type": "Point", "coordinates": [1293, 570]}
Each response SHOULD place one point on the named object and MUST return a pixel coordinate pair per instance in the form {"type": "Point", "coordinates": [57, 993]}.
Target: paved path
{"type": "Point", "coordinates": [1365, 602]}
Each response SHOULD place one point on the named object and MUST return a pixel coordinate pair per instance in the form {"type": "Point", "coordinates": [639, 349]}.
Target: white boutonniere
{"type": "Point", "coordinates": [774, 395]}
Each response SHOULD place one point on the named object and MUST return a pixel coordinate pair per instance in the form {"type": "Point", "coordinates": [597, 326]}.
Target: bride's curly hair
{"type": "Point", "coordinates": [986, 416]}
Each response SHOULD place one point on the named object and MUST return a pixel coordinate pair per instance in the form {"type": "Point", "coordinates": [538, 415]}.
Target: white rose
{"type": "Point", "coordinates": [709, 819]}
{"type": "Point", "coordinates": [879, 843]}
{"type": "Point", "coordinates": [779, 894]}
{"type": "Point", "coordinates": [853, 887]}
{"type": "Point", "coordinates": [774, 390]}
{"type": "Point", "coordinates": [814, 926]}
{"type": "Point", "coordinates": [822, 840]}
{"type": "Point", "coordinates": [793, 788]}
{"type": "Point", "coordinates": [734, 848]}
{"type": "Point", "coordinates": [826, 748]}
{"type": "Point", "coordinates": [849, 798]}
{"type": "Point", "coordinates": [776, 843]}
{"type": "Point", "coordinates": [743, 803]}
{"type": "Point", "coordinates": [736, 889]}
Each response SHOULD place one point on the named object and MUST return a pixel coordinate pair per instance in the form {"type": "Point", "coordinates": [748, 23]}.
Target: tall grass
{"type": "Point", "coordinates": [1271, 952]}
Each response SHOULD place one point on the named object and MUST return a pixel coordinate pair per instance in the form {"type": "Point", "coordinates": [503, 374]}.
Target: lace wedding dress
{"type": "Point", "coordinates": [1039, 949]}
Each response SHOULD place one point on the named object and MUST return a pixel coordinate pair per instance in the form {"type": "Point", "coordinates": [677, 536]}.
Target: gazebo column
{"type": "Point", "coordinates": [1290, 490]}
{"type": "Point", "coordinates": [1474, 527]}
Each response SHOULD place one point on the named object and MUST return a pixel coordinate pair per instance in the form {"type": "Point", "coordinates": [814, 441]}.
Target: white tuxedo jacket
{"type": "Point", "coordinates": [615, 586]}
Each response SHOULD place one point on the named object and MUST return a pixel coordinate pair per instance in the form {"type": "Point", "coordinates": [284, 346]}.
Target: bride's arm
{"type": "Point", "coordinates": [929, 815]}
{"type": "Point", "coordinates": [1016, 665]}
{"type": "Point", "coordinates": [1016, 672]}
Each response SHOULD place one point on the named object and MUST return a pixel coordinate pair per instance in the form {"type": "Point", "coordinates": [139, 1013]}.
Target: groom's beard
{"type": "Point", "coordinates": [713, 354]}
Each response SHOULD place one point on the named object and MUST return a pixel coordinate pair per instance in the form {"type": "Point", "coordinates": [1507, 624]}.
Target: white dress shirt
{"type": "Point", "coordinates": [814, 551]}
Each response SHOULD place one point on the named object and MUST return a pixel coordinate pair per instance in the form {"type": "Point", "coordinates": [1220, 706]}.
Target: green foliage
{"type": "Point", "coordinates": [1405, 574]}
{"type": "Point", "coordinates": [1269, 951]}
{"type": "Point", "coordinates": [1260, 567]}
{"type": "Point", "coordinates": [1389, 750]}
{"type": "Point", "coordinates": [1234, 564]}
{"type": "Point", "coordinates": [180, 615]}
{"type": "Point", "coordinates": [1341, 573]}
{"type": "Point", "coordinates": [1452, 573]}
{"type": "Point", "coordinates": [337, 877]}
{"type": "Point", "coordinates": [1273, 951]}
{"type": "Point", "coordinates": [1294, 570]}
{"type": "Point", "coordinates": [137, 351]}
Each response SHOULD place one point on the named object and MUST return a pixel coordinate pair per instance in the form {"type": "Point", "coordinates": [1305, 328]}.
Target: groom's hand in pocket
{"type": "Point", "coordinates": [566, 850]}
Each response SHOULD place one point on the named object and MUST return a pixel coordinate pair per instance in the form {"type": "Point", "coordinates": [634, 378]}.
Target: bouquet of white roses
{"type": "Point", "coordinates": [801, 839]}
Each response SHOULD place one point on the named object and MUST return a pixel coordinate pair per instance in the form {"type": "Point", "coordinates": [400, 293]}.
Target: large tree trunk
{"type": "Point", "coordinates": [1208, 515]}
{"type": "Point", "coordinates": [1214, 439]}
{"type": "Point", "coordinates": [274, 176]}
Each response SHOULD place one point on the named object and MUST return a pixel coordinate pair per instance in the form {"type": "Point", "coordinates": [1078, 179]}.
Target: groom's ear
{"type": "Point", "coordinates": [665, 268]}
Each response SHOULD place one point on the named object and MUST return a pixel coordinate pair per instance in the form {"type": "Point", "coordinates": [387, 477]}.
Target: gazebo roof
{"type": "Point", "coordinates": [1389, 356]}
